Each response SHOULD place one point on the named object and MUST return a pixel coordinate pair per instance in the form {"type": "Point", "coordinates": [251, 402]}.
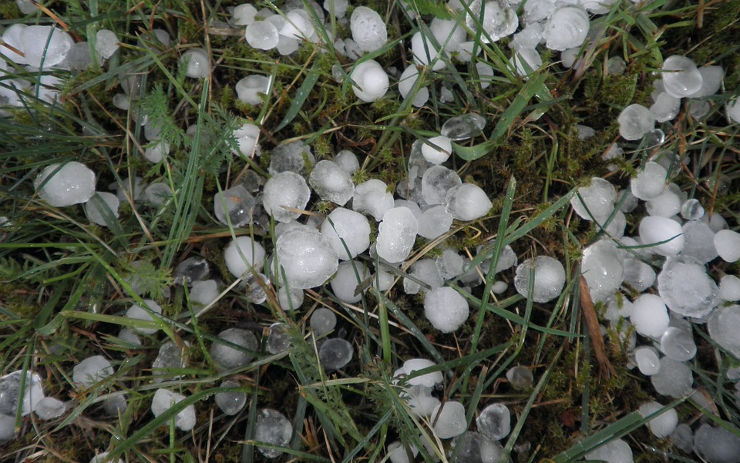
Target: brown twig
{"type": "Point", "coordinates": [592, 323]}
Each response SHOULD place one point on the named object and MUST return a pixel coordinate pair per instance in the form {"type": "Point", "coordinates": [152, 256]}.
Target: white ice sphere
{"type": "Point", "coordinates": [322, 322]}
{"type": "Point", "coordinates": [50, 408]}
{"type": "Point", "coordinates": [715, 221]}
{"type": "Point", "coordinates": [699, 241]}
{"type": "Point", "coordinates": [691, 209]}
{"type": "Point", "coordinates": [595, 201]}
{"type": "Point", "coordinates": [290, 299]}
{"type": "Point", "coordinates": [549, 278]}
{"type": "Point", "coordinates": [520, 377]}
{"type": "Point", "coordinates": [729, 288]}
{"type": "Point", "coordinates": [716, 444]}
{"type": "Point", "coordinates": [473, 446]}
{"type": "Point", "coordinates": [463, 127]}
{"type": "Point", "coordinates": [294, 156]}
{"type": "Point", "coordinates": [419, 400]}
{"type": "Point", "coordinates": [437, 149]}
{"type": "Point", "coordinates": [65, 184]}
{"type": "Point", "coordinates": [597, 6]}
{"type": "Point", "coordinates": [228, 357]}
{"type": "Point", "coordinates": [307, 258]}
{"type": "Point", "coordinates": [100, 206]}
{"type": "Point", "coordinates": [667, 232]}
{"type": "Point", "coordinates": [372, 197]}
{"type": "Point", "coordinates": [297, 25]}
{"type": "Point", "coordinates": [647, 360]}
{"type": "Point", "coordinates": [727, 244]}
{"type": "Point", "coordinates": [169, 358]}
{"type": "Point", "coordinates": [244, 14]}
{"type": "Point", "coordinates": [396, 234]}
{"type": "Point", "coordinates": [10, 393]}
{"type": "Point", "coordinates": [685, 287]}
{"type": "Point", "coordinates": [106, 43]}
{"type": "Point", "coordinates": [272, 427]}
{"type": "Point", "coordinates": [344, 284]}
{"type": "Point", "coordinates": [722, 326]}
{"type": "Point", "coordinates": [234, 206]}
{"type": "Point", "coordinates": [499, 287]}
{"type": "Point", "coordinates": [397, 453]}
{"type": "Point", "coordinates": [674, 379]}
{"type": "Point", "coordinates": [138, 312]}
{"type": "Point", "coordinates": [614, 451]}
{"type": "Point", "coordinates": [485, 74]}
{"type": "Point", "coordinates": [231, 402]}
{"type": "Point", "coordinates": [437, 182]}
{"type": "Point", "coordinates": [44, 46]}
{"type": "Point", "coordinates": [525, 61]}
{"type": "Point", "coordinates": [262, 35]}
{"type": "Point", "coordinates": [711, 81]}
{"type": "Point", "coordinates": [331, 182]}
{"type": "Point", "coordinates": [649, 316]}
{"type": "Point", "coordinates": [680, 76]}
{"type": "Point", "coordinates": [467, 202]}
{"type": "Point", "coordinates": [349, 226]}
{"type": "Point", "coordinates": [165, 399]}
{"type": "Point", "coordinates": [649, 182]}
{"type": "Point", "coordinates": [733, 111]}
{"type": "Point", "coordinates": [91, 370]}
{"type": "Point", "coordinates": [662, 425]}
{"type": "Point", "coordinates": [499, 20]}
{"type": "Point", "coordinates": [246, 138]}
{"type": "Point", "coordinates": [244, 254]}
{"type": "Point", "coordinates": [665, 108]}
{"type": "Point", "coordinates": [494, 421]}
{"type": "Point", "coordinates": [678, 344]}
{"type": "Point", "coordinates": [347, 160]}
{"type": "Point", "coordinates": [284, 192]}
{"type": "Point", "coordinates": [450, 419]}
{"type": "Point", "coordinates": [368, 29]}
{"type": "Point", "coordinates": [370, 81]}
{"type": "Point", "coordinates": [602, 268]}
{"type": "Point", "coordinates": [416, 364]}
{"type": "Point", "coordinates": [639, 275]}
{"type": "Point", "coordinates": [335, 353]}
{"type": "Point", "coordinates": [635, 121]}
{"type": "Point", "coordinates": [425, 53]}
{"type": "Point", "coordinates": [448, 32]}
{"type": "Point", "coordinates": [566, 28]}
{"type": "Point", "coordinates": [446, 309]}
{"type": "Point", "coordinates": [666, 204]}
{"type": "Point", "coordinates": [425, 271]}
{"type": "Point", "coordinates": [204, 292]}
{"type": "Point", "coordinates": [251, 88]}
{"type": "Point", "coordinates": [12, 36]}
{"type": "Point", "coordinates": [450, 264]}
{"type": "Point", "coordinates": [196, 62]}
{"type": "Point", "coordinates": [406, 82]}
{"type": "Point", "coordinates": [337, 7]}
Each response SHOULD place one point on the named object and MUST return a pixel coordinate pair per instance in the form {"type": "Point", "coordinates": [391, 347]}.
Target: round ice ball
{"type": "Point", "coordinates": [147, 313]}
{"type": "Point", "coordinates": [685, 287]}
{"type": "Point", "coordinates": [244, 254]}
{"type": "Point", "coordinates": [445, 309]}
{"type": "Point", "coordinates": [65, 184]}
{"type": "Point", "coordinates": [662, 425]}
{"type": "Point", "coordinates": [335, 353]}
{"type": "Point", "coordinates": [722, 326]}
{"type": "Point", "coordinates": [228, 357]}
{"type": "Point", "coordinates": [426, 380]}
{"type": "Point", "coordinates": [284, 195]}
{"type": "Point", "coordinates": [450, 419]}
{"type": "Point", "coordinates": [396, 234]}
{"type": "Point", "coordinates": [100, 206]}
{"type": "Point", "coordinates": [437, 149]}
{"type": "Point", "coordinates": [549, 278]}
{"type": "Point", "coordinates": [370, 81]}
{"type": "Point", "coordinates": [44, 46]}
{"type": "Point", "coordinates": [262, 35]}
{"type": "Point", "coordinates": [566, 28]}
{"type": "Point", "coordinates": [251, 88]}
{"type": "Point", "coordinates": [649, 316]}
{"type": "Point", "coordinates": [681, 78]}
{"type": "Point", "coordinates": [662, 235]}
{"type": "Point", "coordinates": [343, 227]}
{"type": "Point", "coordinates": [727, 244]}
{"type": "Point", "coordinates": [635, 121]}
{"type": "Point", "coordinates": [197, 63]}
{"type": "Point", "coordinates": [602, 268]}
{"type": "Point", "coordinates": [306, 257]}
{"type": "Point", "coordinates": [368, 29]}
{"type": "Point", "coordinates": [467, 202]}
{"type": "Point", "coordinates": [425, 52]}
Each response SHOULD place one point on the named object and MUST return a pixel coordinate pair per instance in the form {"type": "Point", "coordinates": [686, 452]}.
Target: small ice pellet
{"type": "Point", "coordinates": [727, 244]}
{"type": "Point", "coordinates": [649, 316]}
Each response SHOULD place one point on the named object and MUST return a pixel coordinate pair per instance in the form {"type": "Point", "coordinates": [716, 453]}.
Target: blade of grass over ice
{"type": "Point", "coordinates": [300, 96]}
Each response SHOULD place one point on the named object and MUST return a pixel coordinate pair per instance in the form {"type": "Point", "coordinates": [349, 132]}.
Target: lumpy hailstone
{"type": "Point", "coordinates": [722, 326]}
{"type": "Point", "coordinates": [227, 357]}
{"type": "Point", "coordinates": [196, 62]}
{"type": "Point", "coordinates": [165, 399]}
{"type": "Point", "coordinates": [450, 418]}
{"type": "Point", "coordinates": [396, 234]}
{"type": "Point", "coordinates": [445, 309]}
{"type": "Point", "coordinates": [372, 197]}
{"type": "Point", "coordinates": [331, 182]}
{"type": "Point", "coordinates": [649, 182]}
{"type": "Point", "coordinates": [437, 149]}
{"type": "Point", "coordinates": [635, 121]}
{"type": "Point", "coordinates": [406, 82]}
{"type": "Point", "coordinates": [307, 258]}
{"type": "Point", "coordinates": [66, 184]}
{"type": "Point", "coordinates": [251, 88]}
{"type": "Point", "coordinates": [467, 202]}
{"type": "Point", "coordinates": [667, 232]}
{"type": "Point", "coordinates": [370, 81]}
{"type": "Point", "coordinates": [335, 353]}
{"type": "Point", "coordinates": [274, 428]}
{"type": "Point", "coordinates": [368, 29]}
{"type": "Point", "coordinates": [566, 28]}
{"type": "Point", "coordinates": [350, 227]}
{"type": "Point", "coordinates": [681, 78]}
{"type": "Point", "coordinates": [425, 52]}
{"type": "Point", "coordinates": [685, 287]}
{"type": "Point", "coordinates": [345, 282]}
{"type": "Point", "coordinates": [243, 254]}
{"type": "Point", "coordinates": [285, 191]}
{"type": "Point", "coordinates": [602, 268]}
{"type": "Point", "coordinates": [595, 201]}
{"type": "Point", "coordinates": [106, 43]}
{"type": "Point", "coordinates": [494, 421]}
{"type": "Point", "coordinates": [262, 35]}
{"type": "Point", "coordinates": [44, 46]}
{"type": "Point", "coordinates": [549, 278]}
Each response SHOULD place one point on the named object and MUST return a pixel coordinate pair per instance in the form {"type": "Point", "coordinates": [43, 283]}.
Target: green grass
{"type": "Point", "coordinates": [65, 282]}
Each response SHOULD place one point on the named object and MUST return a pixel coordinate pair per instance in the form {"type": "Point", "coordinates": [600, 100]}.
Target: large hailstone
{"type": "Point", "coordinates": [284, 195]}
{"type": "Point", "coordinates": [331, 182]}
{"type": "Point", "coordinates": [499, 20]}
{"type": "Point", "coordinates": [681, 78]}
{"type": "Point", "coordinates": [65, 184]}
{"type": "Point", "coordinates": [661, 235]}
{"type": "Point", "coordinates": [368, 29]}
{"type": "Point", "coordinates": [649, 316]}
{"type": "Point", "coordinates": [244, 254]}
{"type": "Point", "coordinates": [165, 399]}
{"type": "Point", "coordinates": [343, 227]}
{"type": "Point", "coordinates": [425, 52]}
{"type": "Point", "coordinates": [44, 46]}
{"type": "Point", "coordinates": [196, 62]}
{"type": "Point", "coordinates": [595, 201]}
{"type": "Point", "coordinates": [445, 309]}
{"type": "Point", "coordinates": [566, 28]}
{"type": "Point", "coordinates": [685, 287]}
{"type": "Point", "coordinates": [370, 81]}
{"type": "Point", "coordinates": [635, 121]}
{"type": "Point", "coordinates": [406, 82]}
{"type": "Point", "coordinates": [549, 278]}
{"type": "Point", "coordinates": [467, 202]}
{"type": "Point", "coordinates": [396, 234]}
{"type": "Point", "coordinates": [602, 268]}
{"type": "Point", "coordinates": [307, 258]}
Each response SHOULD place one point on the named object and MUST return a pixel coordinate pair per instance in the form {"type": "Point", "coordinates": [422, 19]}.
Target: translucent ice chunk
{"type": "Point", "coordinates": [450, 419]}
{"type": "Point", "coordinates": [44, 46]}
{"type": "Point", "coordinates": [344, 227]}
{"type": "Point", "coordinates": [335, 353]}
{"type": "Point", "coordinates": [663, 424]}
{"type": "Point", "coordinates": [396, 234]}
{"type": "Point", "coordinates": [251, 88]}
{"type": "Point", "coordinates": [635, 121]}
{"type": "Point", "coordinates": [602, 268]}
{"type": "Point", "coordinates": [91, 370]}
{"type": "Point", "coordinates": [463, 127]}
{"type": "Point", "coordinates": [674, 379]}
{"type": "Point", "coordinates": [566, 28]}
{"type": "Point", "coordinates": [169, 357]}
{"type": "Point", "coordinates": [595, 201]}
{"type": "Point", "coordinates": [425, 52]}
{"type": "Point", "coordinates": [686, 288]}
{"type": "Point", "coordinates": [437, 149]}
{"type": "Point", "coordinates": [196, 62]}
{"type": "Point", "coordinates": [231, 402]}
{"type": "Point", "coordinates": [262, 35]}
{"type": "Point", "coordinates": [729, 288]}
{"type": "Point", "coordinates": [494, 421]}
{"type": "Point", "coordinates": [681, 78]}
{"type": "Point", "coordinates": [467, 202]}
{"type": "Point", "coordinates": [345, 283]}
{"type": "Point", "coordinates": [678, 344]}
{"type": "Point", "coordinates": [647, 360]}
{"type": "Point", "coordinates": [322, 321]}
{"type": "Point", "coordinates": [234, 206]}
{"type": "Point", "coordinates": [147, 313]}
{"type": "Point", "coordinates": [233, 348]}
{"type": "Point", "coordinates": [65, 184]}
{"type": "Point", "coordinates": [244, 254]}
{"type": "Point", "coordinates": [649, 316]}
{"type": "Point", "coordinates": [436, 182]}
{"type": "Point", "coordinates": [727, 244]}
{"type": "Point", "coordinates": [273, 428]}
{"type": "Point", "coordinates": [10, 393]}
{"type": "Point", "coordinates": [331, 182]}
{"type": "Point", "coordinates": [307, 258]}
{"type": "Point", "coordinates": [473, 447]}
{"type": "Point", "coordinates": [662, 235]}
{"type": "Point", "coordinates": [549, 278]}
{"type": "Point", "coordinates": [716, 444]}
{"type": "Point", "coordinates": [285, 194]}
{"type": "Point", "coordinates": [100, 206]}
{"type": "Point", "coordinates": [722, 326]}
{"type": "Point", "coordinates": [106, 43]}
{"type": "Point", "coordinates": [294, 156]}
{"type": "Point", "coordinates": [520, 377]}
{"type": "Point", "coordinates": [165, 399]}
{"type": "Point", "coordinates": [615, 451]}
{"type": "Point", "coordinates": [371, 197]}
